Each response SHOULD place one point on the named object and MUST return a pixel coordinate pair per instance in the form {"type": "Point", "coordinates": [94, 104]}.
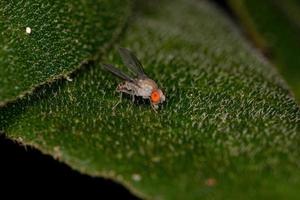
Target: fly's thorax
{"type": "Point", "coordinates": [147, 82]}
{"type": "Point", "coordinates": [146, 86]}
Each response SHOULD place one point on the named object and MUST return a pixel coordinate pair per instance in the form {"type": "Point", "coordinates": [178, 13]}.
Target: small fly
{"type": "Point", "coordinates": [139, 85]}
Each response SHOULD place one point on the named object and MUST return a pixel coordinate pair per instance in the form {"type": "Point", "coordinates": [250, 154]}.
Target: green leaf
{"type": "Point", "coordinates": [42, 41]}
{"type": "Point", "coordinates": [275, 28]}
{"type": "Point", "coordinates": [229, 128]}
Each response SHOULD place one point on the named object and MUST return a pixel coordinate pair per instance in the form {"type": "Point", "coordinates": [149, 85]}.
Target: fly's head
{"type": "Point", "coordinates": [149, 89]}
{"type": "Point", "coordinates": [157, 97]}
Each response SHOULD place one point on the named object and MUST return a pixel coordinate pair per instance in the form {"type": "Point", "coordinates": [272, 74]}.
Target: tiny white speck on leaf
{"type": "Point", "coordinates": [28, 30]}
{"type": "Point", "coordinates": [136, 177]}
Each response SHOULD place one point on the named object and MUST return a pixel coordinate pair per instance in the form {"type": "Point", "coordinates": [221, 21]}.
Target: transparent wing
{"type": "Point", "coordinates": [117, 72]}
{"type": "Point", "coordinates": [131, 61]}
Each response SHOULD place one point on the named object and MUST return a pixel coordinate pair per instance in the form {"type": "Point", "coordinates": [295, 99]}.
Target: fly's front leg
{"type": "Point", "coordinates": [154, 106]}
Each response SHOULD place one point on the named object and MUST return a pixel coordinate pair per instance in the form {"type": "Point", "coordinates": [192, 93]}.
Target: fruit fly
{"type": "Point", "coordinates": [139, 85]}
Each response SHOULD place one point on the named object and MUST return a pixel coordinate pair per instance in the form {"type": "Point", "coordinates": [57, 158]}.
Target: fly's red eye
{"type": "Point", "coordinates": [155, 97]}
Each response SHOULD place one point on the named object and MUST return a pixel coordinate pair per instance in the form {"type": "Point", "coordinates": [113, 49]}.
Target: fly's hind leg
{"type": "Point", "coordinates": [120, 100]}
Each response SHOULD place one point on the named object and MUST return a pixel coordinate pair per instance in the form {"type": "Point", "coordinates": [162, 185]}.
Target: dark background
{"type": "Point", "coordinates": [27, 172]}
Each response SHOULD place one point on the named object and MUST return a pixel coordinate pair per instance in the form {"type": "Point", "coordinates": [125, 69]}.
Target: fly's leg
{"type": "Point", "coordinates": [154, 107]}
{"type": "Point", "coordinates": [120, 100]}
